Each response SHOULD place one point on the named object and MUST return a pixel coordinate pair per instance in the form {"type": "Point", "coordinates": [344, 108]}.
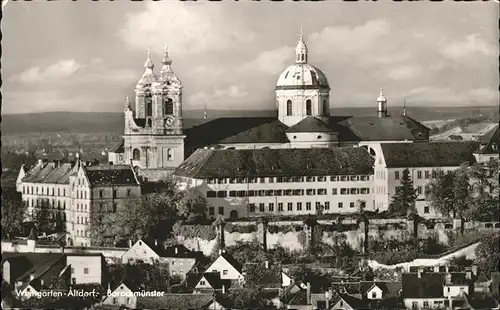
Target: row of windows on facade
{"type": "Point", "coordinates": [82, 233]}
{"type": "Point", "coordinates": [40, 190]}
{"type": "Point", "coordinates": [82, 220]}
{"type": "Point", "coordinates": [281, 207]}
{"type": "Point", "coordinates": [428, 174]}
{"type": "Point", "coordinates": [288, 192]}
{"type": "Point", "coordinates": [325, 107]}
{"type": "Point", "coordinates": [437, 303]}
{"type": "Point", "coordinates": [340, 178]}
{"type": "Point", "coordinates": [79, 194]}
{"type": "Point", "coordinates": [46, 203]}
{"type": "Point", "coordinates": [136, 154]}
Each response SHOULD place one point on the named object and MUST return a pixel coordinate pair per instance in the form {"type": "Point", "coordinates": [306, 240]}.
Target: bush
{"type": "Point", "coordinates": [242, 229]}
{"type": "Point", "coordinates": [391, 258]}
{"type": "Point", "coordinates": [274, 229]}
{"type": "Point", "coordinates": [206, 232]}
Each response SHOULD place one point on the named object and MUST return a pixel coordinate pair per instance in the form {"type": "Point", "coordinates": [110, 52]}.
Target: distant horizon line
{"type": "Point", "coordinates": [271, 110]}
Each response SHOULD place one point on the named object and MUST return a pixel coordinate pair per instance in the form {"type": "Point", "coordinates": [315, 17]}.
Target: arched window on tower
{"type": "Point", "coordinates": [168, 107]}
{"type": "Point", "coordinates": [136, 154]}
{"type": "Point", "coordinates": [289, 107]}
{"type": "Point", "coordinates": [326, 107]}
{"type": "Point", "coordinates": [302, 57]}
{"type": "Point", "coordinates": [149, 106]}
{"type": "Point", "coordinates": [170, 154]}
{"type": "Point", "coordinates": [308, 107]}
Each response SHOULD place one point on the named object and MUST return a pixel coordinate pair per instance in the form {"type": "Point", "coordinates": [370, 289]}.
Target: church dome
{"type": "Point", "coordinates": [302, 75]}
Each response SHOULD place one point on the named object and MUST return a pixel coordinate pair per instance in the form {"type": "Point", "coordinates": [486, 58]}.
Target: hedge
{"type": "Point", "coordinates": [206, 232]}
{"type": "Point", "coordinates": [242, 229]}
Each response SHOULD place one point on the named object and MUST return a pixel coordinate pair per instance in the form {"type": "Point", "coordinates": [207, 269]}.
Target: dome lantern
{"type": "Point", "coordinates": [301, 50]}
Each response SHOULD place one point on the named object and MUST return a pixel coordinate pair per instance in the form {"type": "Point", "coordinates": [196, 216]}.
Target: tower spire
{"type": "Point", "coordinates": [149, 64]}
{"type": "Point", "coordinates": [404, 107]}
{"type": "Point", "coordinates": [205, 115]}
{"type": "Point", "coordinates": [166, 59]}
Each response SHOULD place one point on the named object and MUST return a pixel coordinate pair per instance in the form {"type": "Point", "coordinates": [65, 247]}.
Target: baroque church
{"type": "Point", "coordinates": [156, 140]}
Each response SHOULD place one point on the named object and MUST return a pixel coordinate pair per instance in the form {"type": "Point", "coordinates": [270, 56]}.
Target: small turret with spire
{"type": "Point", "coordinates": [301, 50]}
{"type": "Point", "coordinates": [148, 77]}
{"type": "Point", "coordinates": [166, 73]}
{"type": "Point", "coordinates": [382, 105]}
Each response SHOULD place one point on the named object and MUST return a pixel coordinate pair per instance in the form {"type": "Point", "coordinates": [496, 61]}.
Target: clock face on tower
{"type": "Point", "coordinates": [169, 122]}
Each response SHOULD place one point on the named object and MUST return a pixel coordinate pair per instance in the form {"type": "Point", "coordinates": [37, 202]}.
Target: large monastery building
{"type": "Point", "coordinates": [156, 142]}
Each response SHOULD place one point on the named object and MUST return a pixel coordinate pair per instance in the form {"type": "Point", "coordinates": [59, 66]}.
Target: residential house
{"type": "Point", "coordinates": [433, 290]}
{"type": "Point", "coordinates": [211, 282]}
{"type": "Point", "coordinates": [182, 301]}
{"type": "Point", "coordinates": [31, 273]}
{"type": "Point", "coordinates": [228, 267]}
{"type": "Point", "coordinates": [179, 259]}
{"type": "Point", "coordinates": [488, 146]}
{"type": "Point", "coordinates": [348, 302]}
{"type": "Point", "coordinates": [378, 290]}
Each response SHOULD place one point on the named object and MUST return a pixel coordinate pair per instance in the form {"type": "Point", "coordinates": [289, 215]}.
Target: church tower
{"type": "Point", "coordinates": [382, 105]}
{"type": "Point", "coordinates": [302, 90]}
{"type": "Point", "coordinates": [153, 137]}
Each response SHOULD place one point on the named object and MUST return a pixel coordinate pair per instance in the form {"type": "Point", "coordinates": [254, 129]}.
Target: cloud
{"type": "Point", "coordinates": [232, 92]}
{"type": "Point", "coordinates": [468, 47]}
{"type": "Point", "coordinates": [270, 62]}
{"type": "Point", "coordinates": [60, 69]}
{"type": "Point", "coordinates": [348, 39]}
{"type": "Point", "coordinates": [484, 94]}
{"type": "Point", "coordinates": [405, 72]}
{"type": "Point", "coordinates": [187, 28]}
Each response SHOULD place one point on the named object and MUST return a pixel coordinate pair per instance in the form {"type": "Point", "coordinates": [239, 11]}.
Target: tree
{"type": "Point", "coordinates": [440, 193]}
{"type": "Point", "coordinates": [43, 217]}
{"type": "Point", "coordinates": [363, 218]}
{"type": "Point", "coordinates": [488, 254]}
{"type": "Point", "coordinates": [193, 205]}
{"type": "Point", "coordinates": [462, 193]}
{"type": "Point", "coordinates": [13, 215]}
{"type": "Point", "coordinates": [485, 188]}
{"type": "Point", "coordinates": [405, 196]}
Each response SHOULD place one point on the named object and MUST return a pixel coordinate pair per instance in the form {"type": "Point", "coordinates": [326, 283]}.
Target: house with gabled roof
{"type": "Point", "coordinates": [211, 282]}
{"type": "Point", "coordinates": [488, 145]}
{"type": "Point", "coordinates": [348, 302]}
{"type": "Point", "coordinates": [378, 290]}
{"type": "Point", "coordinates": [228, 268]}
{"type": "Point", "coordinates": [179, 259]}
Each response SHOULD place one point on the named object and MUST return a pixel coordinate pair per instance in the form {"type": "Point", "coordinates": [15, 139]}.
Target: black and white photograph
{"type": "Point", "coordinates": [213, 155]}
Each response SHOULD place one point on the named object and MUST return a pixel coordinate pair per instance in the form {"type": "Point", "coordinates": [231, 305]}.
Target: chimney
{"type": "Point", "coordinates": [419, 273]}
{"type": "Point", "coordinates": [267, 264]}
{"type": "Point", "coordinates": [32, 276]}
{"type": "Point", "coordinates": [109, 286]}
{"type": "Point", "coordinates": [220, 251]}
{"type": "Point", "coordinates": [156, 242]}
{"type": "Point", "coordinates": [129, 243]}
{"type": "Point", "coordinates": [308, 293]}
{"type": "Point", "coordinates": [223, 289]}
{"type": "Point", "coordinates": [41, 282]}
{"type": "Point", "coordinates": [446, 269]}
{"type": "Point", "coordinates": [474, 270]}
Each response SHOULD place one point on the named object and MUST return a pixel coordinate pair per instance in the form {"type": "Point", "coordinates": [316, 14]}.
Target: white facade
{"type": "Point", "coordinates": [374, 293]}
{"type": "Point", "coordinates": [86, 269]}
{"type": "Point", "coordinates": [140, 252]}
{"type": "Point", "coordinates": [226, 270]}
{"type": "Point", "coordinates": [425, 303]}
{"type": "Point", "coordinates": [284, 196]}
{"type": "Point", "coordinates": [121, 296]}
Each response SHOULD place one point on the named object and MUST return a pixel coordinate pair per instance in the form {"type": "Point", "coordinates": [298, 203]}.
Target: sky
{"type": "Point", "coordinates": [88, 56]}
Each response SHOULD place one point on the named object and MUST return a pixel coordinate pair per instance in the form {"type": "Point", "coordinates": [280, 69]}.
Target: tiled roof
{"type": "Point", "coordinates": [213, 278]}
{"type": "Point", "coordinates": [491, 136]}
{"type": "Point", "coordinates": [111, 175]}
{"type": "Point", "coordinates": [373, 128]}
{"type": "Point", "coordinates": [310, 124]}
{"type": "Point", "coordinates": [24, 264]}
{"type": "Point", "coordinates": [50, 173]}
{"type": "Point", "coordinates": [182, 251]}
{"type": "Point", "coordinates": [352, 301]}
{"type": "Point", "coordinates": [428, 154]}
{"type": "Point", "coordinates": [388, 288]}
{"type": "Point", "coordinates": [482, 301]}
{"type": "Point", "coordinates": [175, 301]}
{"type": "Point", "coordinates": [271, 130]}
{"type": "Point", "coordinates": [231, 260]}
{"type": "Point", "coordinates": [236, 130]}
{"type": "Point", "coordinates": [276, 162]}
{"type": "Point", "coordinates": [430, 285]}
{"type": "Point", "coordinates": [119, 147]}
